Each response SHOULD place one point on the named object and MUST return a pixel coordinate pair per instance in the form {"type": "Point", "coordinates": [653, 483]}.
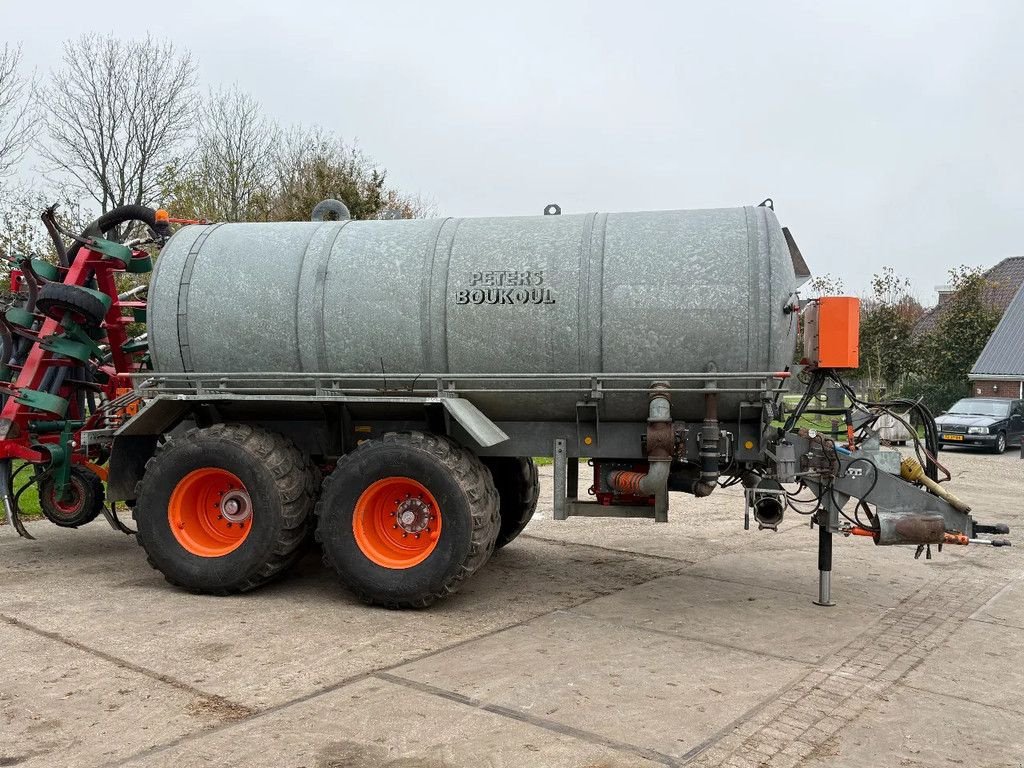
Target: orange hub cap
{"type": "Point", "coordinates": [210, 512]}
{"type": "Point", "coordinates": [396, 522]}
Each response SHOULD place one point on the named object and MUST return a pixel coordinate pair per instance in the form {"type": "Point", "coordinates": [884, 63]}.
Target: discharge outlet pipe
{"type": "Point", "coordinates": [660, 442]}
{"type": "Point", "coordinates": [660, 478]}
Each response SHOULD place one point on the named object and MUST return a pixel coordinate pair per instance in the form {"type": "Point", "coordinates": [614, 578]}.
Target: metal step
{"type": "Point", "coordinates": [576, 508]}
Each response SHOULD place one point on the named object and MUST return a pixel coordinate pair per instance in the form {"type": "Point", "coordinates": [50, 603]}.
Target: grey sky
{"type": "Point", "coordinates": [887, 133]}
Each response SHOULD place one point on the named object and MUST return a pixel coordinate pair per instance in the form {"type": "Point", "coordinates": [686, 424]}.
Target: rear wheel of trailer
{"type": "Point", "coordinates": [406, 518]}
{"type": "Point", "coordinates": [225, 509]}
{"type": "Point", "coordinates": [518, 490]}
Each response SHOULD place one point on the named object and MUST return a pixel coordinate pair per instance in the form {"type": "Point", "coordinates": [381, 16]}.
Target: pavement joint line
{"type": "Point", "coordinates": [686, 563]}
{"type": "Point", "coordinates": [914, 619]}
{"type": "Point", "coordinates": [613, 550]}
{"type": "Point", "coordinates": [242, 709]}
{"type": "Point", "coordinates": [690, 638]}
{"type": "Point", "coordinates": [1009, 585]}
{"type": "Point", "coordinates": [964, 699]}
{"type": "Point", "coordinates": [995, 623]}
{"type": "Point", "coordinates": [808, 710]}
{"type": "Point", "coordinates": [540, 722]}
{"type": "Point", "coordinates": [352, 679]}
{"type": "Point", "coordinates": [801, 592]}
{"type": "Point", "coordinates": [728, 728]}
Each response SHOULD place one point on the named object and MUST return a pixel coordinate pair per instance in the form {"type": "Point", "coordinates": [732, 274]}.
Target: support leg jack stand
{"type": "Point", "coordinates": [824, 567]}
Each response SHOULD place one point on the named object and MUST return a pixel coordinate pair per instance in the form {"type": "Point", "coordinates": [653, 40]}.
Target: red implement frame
{"type": "Point", "coordinates": [15, 417]}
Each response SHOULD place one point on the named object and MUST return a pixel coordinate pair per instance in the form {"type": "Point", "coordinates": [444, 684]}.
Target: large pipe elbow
{"type": "Point", "coordinates": [656, 479]}
{"type": "Point", "coordinates": [700, 489]}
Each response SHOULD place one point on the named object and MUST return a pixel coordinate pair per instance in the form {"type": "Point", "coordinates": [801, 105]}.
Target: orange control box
{"type": "Point", "coordinates": [832, 332]}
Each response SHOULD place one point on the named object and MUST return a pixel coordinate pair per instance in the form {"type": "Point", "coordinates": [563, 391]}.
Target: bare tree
{"type": "Point", "coordinates": [18, 117]}
{"type": "Point", "coordinates": [234, 159]}
{"type": "Point", "coordinates": [22, 232]}
{"type": "Point", "coordinates": [116, 111]}
{"type": "Point", "coordinates": [312, 164]}
{"type": "Point", "coordinates": [402, 205]}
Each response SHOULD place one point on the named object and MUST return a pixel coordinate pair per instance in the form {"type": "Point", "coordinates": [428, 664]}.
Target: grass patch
{"type": "Point", "coordinates": [547, 461]}
{"type": "Point", "coordinates": [29, 501]}
{"type": "Point", "coordinates": [29, 504]}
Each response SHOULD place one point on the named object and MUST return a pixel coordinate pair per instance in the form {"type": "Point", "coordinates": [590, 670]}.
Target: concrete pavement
{"type": "Point", "coordinates": [584, 643]}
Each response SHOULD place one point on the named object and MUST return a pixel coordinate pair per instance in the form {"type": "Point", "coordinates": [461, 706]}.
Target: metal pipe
{"type": "Point", "coordinates": [909, 528]}
{"type": "Point", "coordinates": [132, 292]}
{"type": "Point", "coordinates": [191, 387]}
{"type": "Point", "coordinates": [659, 455]}
{"type": "Point", "coordinates": [655, 481]}
{"type": "Point", "coordinates": [710, 436]}
{"type": "Point", "coordinates": [824, 589]}
{"type": "Point", "coordinates": [768, 500]}
{"type": "Point", "coordinates": [611, 376]}
{"type": "Point", "coordinates": [824, 567]}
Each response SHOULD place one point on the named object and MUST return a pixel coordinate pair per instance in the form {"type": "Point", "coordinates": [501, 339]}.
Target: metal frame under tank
{"type": "Point", "coordinates": [375, 399]}
{"type": "Point", "coordinates": [170, 396]}
{"type": "Point", "coordinates": [637, 462]}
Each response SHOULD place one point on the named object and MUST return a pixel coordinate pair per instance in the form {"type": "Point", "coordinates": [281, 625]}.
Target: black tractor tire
{"type": "Point", "coordinates": [84, 504]}
{"type": "Point", "coordinates": [518, 490]}
{"type": "Point", "coordinates": [1000, 444]}
{"type": "Point", "coordinates": [57, 299]}
{"type": "Point", "coordinates": [466, 505]}
{"type": "Point", "coordinates": [280, 482]}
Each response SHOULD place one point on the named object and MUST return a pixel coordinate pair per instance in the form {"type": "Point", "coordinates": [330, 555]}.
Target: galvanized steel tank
{"type": "Point", "coordinates": [669, 291]}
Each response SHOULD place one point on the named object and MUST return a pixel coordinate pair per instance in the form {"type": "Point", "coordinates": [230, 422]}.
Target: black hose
{"type": "Point", "coordinates": [47, 382]}
{"type": "Point", "coordinates": [6, 346]}
{"type": "Point", "coordinates": [22, 347]}
{"type": "Point", "coordinates": [115, 218]}
{"type": "Point", "coordinates": [58, 380]}
{"type": "Point", "coordinates": [80, 393]}
{"type": "Point", "coordinates": [49, 222]}
{"type": "Point", "coordinates": [931, 431]}
{"type": "Point", "coordinates": [31, 283]}
{"type": "Point", "coordinates": [89, 394]}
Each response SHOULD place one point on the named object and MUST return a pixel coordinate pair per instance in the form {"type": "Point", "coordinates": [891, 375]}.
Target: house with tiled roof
{"type": "Point", "coordinates": [999, 371]}
{"type": "Point", "coordinates": [1004, 281]}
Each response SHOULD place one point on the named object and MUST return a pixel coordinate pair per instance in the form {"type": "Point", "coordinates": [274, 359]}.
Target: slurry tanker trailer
{"type": "Point", "coordinates": [378, 388]}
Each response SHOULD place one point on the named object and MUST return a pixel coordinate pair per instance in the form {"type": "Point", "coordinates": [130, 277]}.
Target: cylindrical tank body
{"type": "Point", "coordinates": [661, 291]}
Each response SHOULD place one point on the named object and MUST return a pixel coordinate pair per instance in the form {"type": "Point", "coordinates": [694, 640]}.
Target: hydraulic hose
{"type": "Point", "coordinates": [48, 217]}
{"type": "Point", "coordinates": [31, 281]}
{"type": "Point", "coordinates": [6, 346]}
{"type": "Point", "coordinates": [115, 218]}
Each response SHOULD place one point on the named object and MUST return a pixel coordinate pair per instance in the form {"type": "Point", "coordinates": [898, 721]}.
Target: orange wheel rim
{"type": "Point", "coordinates": [210, 512]}
{"type": "Point", "coordinates": [396, 522]}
